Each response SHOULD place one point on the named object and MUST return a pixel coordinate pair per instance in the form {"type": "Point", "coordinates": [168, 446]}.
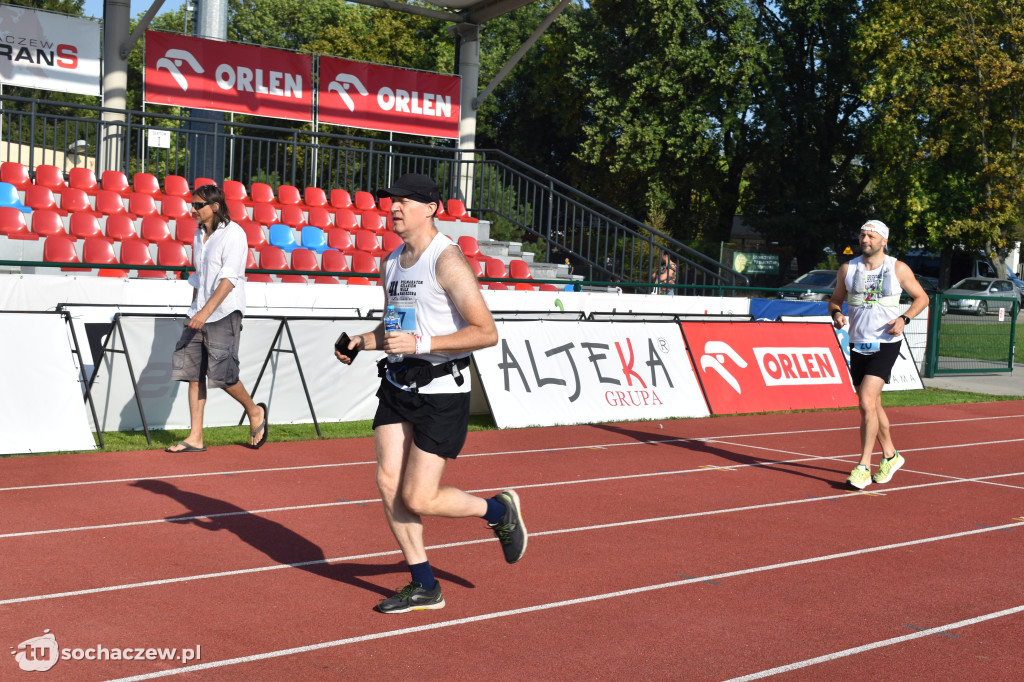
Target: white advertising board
{"type": "Point", "coordinates": [49, 51]}
{"type": "Point", "coordinates": [547, 372]}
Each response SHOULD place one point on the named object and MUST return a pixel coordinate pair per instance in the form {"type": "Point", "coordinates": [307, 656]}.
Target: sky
{"type": "Point", "coordinates": [94, 8]}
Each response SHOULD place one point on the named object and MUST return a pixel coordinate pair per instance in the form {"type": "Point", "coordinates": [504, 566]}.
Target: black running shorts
{"type": "Point", "coordinates": [439, 420]}
{"type": "Point", "coordinates": [877, 364]}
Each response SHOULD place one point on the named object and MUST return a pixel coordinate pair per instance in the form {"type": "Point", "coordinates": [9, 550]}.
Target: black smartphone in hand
{"type": "Point", "coordinates": [341, 345]}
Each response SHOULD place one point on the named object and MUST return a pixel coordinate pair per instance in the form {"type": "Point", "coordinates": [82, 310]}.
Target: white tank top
{"type": "Point", "coordinates": [416, 289]}
{"type": "Point", "coordinates": [873, 297]}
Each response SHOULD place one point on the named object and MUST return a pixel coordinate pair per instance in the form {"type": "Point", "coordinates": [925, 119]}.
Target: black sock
{"type": "Point", "coordinates": [422, 574]}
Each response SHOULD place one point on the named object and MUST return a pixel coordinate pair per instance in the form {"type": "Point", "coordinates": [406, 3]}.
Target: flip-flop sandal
{"type": "Point", "coordinates": [265, 427]}
{"type": "Point", "coordinates": [185, 447]}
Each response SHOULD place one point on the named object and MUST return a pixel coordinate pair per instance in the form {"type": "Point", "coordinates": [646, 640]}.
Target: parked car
{"type": "Point", "coordinates": [982, 290]}
{"type": "Point", "coordinates": [811, 286]}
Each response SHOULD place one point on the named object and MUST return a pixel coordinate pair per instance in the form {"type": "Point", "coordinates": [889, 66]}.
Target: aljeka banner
{"type": "Point", "coordinates": [49, 51]}
{"type": "Point", "coordinates": [769, 366]}
{"type": "Point", "coordinates": [209, 74]}
{"type": "Point", "coordinates": [543, 373]}
{"type": "Point", "coordinates": [388, 98]}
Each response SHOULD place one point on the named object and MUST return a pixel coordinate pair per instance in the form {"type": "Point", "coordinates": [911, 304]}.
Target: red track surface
{"type": "Point", "coordinates": [694, 550]}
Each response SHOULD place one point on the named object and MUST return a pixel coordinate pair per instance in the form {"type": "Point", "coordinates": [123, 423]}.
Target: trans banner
{"type": "Point", "coordinates": [49, 51]}
{"type": "Point", "coordinates": [388, 98]}
{"type": "Point", "coordinates": [208, 74]}
{"type": "Point", "coordinates": [769, 366]}
{"type": "Point", "coordinates": [548, 372]}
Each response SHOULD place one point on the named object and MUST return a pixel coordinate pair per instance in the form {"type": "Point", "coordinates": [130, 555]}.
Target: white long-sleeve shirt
{"type": "Point", "coordinates": [222, 256]}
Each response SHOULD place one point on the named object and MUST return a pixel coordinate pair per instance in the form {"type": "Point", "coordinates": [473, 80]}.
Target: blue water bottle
{"type": "Point", "coordinates": [393, 323]}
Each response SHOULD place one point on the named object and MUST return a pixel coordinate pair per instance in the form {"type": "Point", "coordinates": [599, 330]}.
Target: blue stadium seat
{"type": "Point", "coordinates": [283, 237]}
{"type": "Point", "coordinates": [9, 197]}
{"type": "Point", "coordinates": [314, 239]}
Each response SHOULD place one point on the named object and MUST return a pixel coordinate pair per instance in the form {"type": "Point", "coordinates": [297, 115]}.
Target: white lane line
{"type": "Point", "coordinates": [560, 604]}
{"type": "Point", "coordinates": [549, 484]}
{"type": "Point", "coordinates": [878, 645]}
{"type": "Point", "coordinates": [514, 452]}
{"type": "Point", "coordinates": [557, 531]}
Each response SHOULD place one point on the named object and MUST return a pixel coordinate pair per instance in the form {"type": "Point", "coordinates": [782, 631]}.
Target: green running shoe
{"type": "Point", "coordinates": [860, 477]}
{"type": "Point", "coordinates": [888, 467]}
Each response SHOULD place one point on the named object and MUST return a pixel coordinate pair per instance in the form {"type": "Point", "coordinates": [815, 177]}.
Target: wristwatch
{"type": "Point", "coordinates": [906, 320]}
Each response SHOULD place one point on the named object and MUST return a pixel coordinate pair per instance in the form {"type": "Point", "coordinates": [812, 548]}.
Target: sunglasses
{"type": "Point", "coordinates": [199, 204]}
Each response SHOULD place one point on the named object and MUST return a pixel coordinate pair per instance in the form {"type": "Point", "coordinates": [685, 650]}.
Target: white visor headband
{"type": "Point", "coordinates": [876, 226]}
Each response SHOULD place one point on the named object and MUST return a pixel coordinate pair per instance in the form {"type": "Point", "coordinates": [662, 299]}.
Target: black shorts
{"type": "Point", "coordinates": [878, 364]}
{"type": "Point", "coordinates": [439, 420]}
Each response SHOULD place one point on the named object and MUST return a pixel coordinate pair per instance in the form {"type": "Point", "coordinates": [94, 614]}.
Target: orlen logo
{"type": "Point", "coordinates": [341, 84]}
{"type": "Point", "coordinates": [38, 654]}
{"type": "Point", "coordinates": [715, 355]}
{"type": "Point", "coordinates": [797, 366]}
{"type": "Point", "coordinates": [172, 62]}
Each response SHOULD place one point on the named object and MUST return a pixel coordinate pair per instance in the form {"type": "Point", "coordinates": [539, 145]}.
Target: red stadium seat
{"type": "Point", "coordinates": [235, 191]}
{"type": "Point", "coordinates": [255, 235]}
{"type": "Point", "coordinates": [305, 260]}
{"type": "Point", "coordinates": [547, 287]}
{"type": "Point", "coordinates": [264, 214]}
{"type": "Point", "coordinates": [85, 226]}
{"type": "Point", "coordinates": [364, 201]}
{"type": "Point", "coordinates": [470, 247]}
{"type": "Point", "coordinates": [110, 203]}
{"type": "Point", "coordinates": [371, 220]}
{"type": "Point", "coordinates": [314, 197]}
{"type": "Point", "coordinates": [115, 181]}
{"type": "Point", "coordinates": [120, 227]}
{"type": "Point", "coordinates": [236, 210]}
{"type": "Point", "coordinates": [101, 252]}
{"type": "Point", "coordinates": [201, 182]}
{"type": "Point", "coordinates": [40, 198]}
{"type": "Point", "coordinates": [340, 239]}
{"type": "Point", "coordinates": [185, 230]}
{"type": "Point", "coordinates": [172, 255]}
{"type": "Point", "coordinates": [346, 219]}
{"type": "Point", "coordinates": [50, 177]}
{"type": "Point", "coordinates": [16, 174]}
{"type": "Point", "coordinates": [177, 186]}
{"type": "Point", "coordinates": [319, 217]}
{"type": "Point", "coordinates": [142, 205]}
{"type": "Point", "coordinates": [364, 263]}
{"type": "Point", "coordinates": [366, 240]}
{"type": "Point", "coordinates": [340, 198]}
{"type": "Point", "coordinates": [262, 193]}
{"type": "Point", "coordinates": [334, 261]}
{"type": "Point", "coordinates": [146, 183]}
{"type": "Point", "coordinates": [519, 269]}
{"type": "Point", "coordinates": [389, 241]}
{"type": "Point", "coordinates": [136, 252]}
{"type": "Point", "coordinates": [155, 230]}
{"type": "Point", "coordinates": [175, 208]}
{"type": "Point", "coordinates": [495, 268]}
{"type": "Point", "coordinates": [83, 179]}
{"type": "Point", "coordinates": [250, 264]}
{"type": "Point", "coordinates": [293, 216]}
{"type": "Point", "coordinates": [46, 223]}
{"type": "Point", "coordinates": [13, 225]}
{"type": "Point", "coordinates": [60, 249]}
{"type": "Point", "coordinates": [273, 258]}
{"type": "Point", "coordinates": [75, 200]}
{"type": "Point", "coordinates": [475, 264]}
{"type": "Point", "coordinates": [289, 195]}
{"type": "Point", "coordinates": [457, 210]}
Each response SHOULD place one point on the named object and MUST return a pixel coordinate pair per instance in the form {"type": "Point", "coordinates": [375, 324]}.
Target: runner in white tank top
{"type": "Point", "coordinates": [871, 285]}
{"type": "Point", "coordinates": [421, 423]}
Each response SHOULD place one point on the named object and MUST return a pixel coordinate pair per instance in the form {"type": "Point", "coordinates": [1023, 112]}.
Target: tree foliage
{"type": "Point", "coordinates": [945, 98]}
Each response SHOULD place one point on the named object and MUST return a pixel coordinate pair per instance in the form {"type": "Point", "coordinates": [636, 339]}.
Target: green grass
{"type": "Point", "coordinates": [979, 341]}
{"type": "Point", "coordinates": [122, 441]}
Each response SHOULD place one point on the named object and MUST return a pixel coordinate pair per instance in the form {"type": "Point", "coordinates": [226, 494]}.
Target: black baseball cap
{"type": "Point", "coordinates": [414, 186]}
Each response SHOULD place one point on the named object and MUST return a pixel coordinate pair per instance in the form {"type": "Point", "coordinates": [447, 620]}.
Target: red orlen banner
{"type": "Point", "coordinates": [769, 366]}
{"type": "Point", "coordinates": [378, 97]}
{"type": "Point", "coordinates": [209, 74]}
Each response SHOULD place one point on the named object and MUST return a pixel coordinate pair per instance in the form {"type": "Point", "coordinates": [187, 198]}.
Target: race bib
{"type": "Point", "coordinates": [866, 348]}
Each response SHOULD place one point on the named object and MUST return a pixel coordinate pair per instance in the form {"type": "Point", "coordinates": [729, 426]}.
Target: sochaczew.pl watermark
{"type": "Point", "coordinates": [39, 654]}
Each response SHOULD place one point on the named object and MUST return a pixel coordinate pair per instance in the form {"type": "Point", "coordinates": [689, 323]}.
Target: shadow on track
{"type": "Point", "coordinates": [281, 544]}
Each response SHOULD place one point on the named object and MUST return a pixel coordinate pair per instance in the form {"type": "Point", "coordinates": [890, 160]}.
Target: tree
{"type": "Point", "coordinates": [670, 86]}
{"type": "Point", "coordinates": [946, 103]}
{"type": "Point", "coordinates": [807, 183]}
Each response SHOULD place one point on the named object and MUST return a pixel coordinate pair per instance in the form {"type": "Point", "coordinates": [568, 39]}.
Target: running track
{"type": "Point", "coordinates": [712, 549]}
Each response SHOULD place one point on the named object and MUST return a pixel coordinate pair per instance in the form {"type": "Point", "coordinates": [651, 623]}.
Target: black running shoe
{"type": "Point", "coordinates": [511, 530]}
{"type": "Point", "coordinates": [413, 597]}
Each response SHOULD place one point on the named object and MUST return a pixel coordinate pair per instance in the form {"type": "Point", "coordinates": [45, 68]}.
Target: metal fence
{"type": "Point", "coordinates": [977, 340]}
{"type": "Point", "coordinates": [600, 242]}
